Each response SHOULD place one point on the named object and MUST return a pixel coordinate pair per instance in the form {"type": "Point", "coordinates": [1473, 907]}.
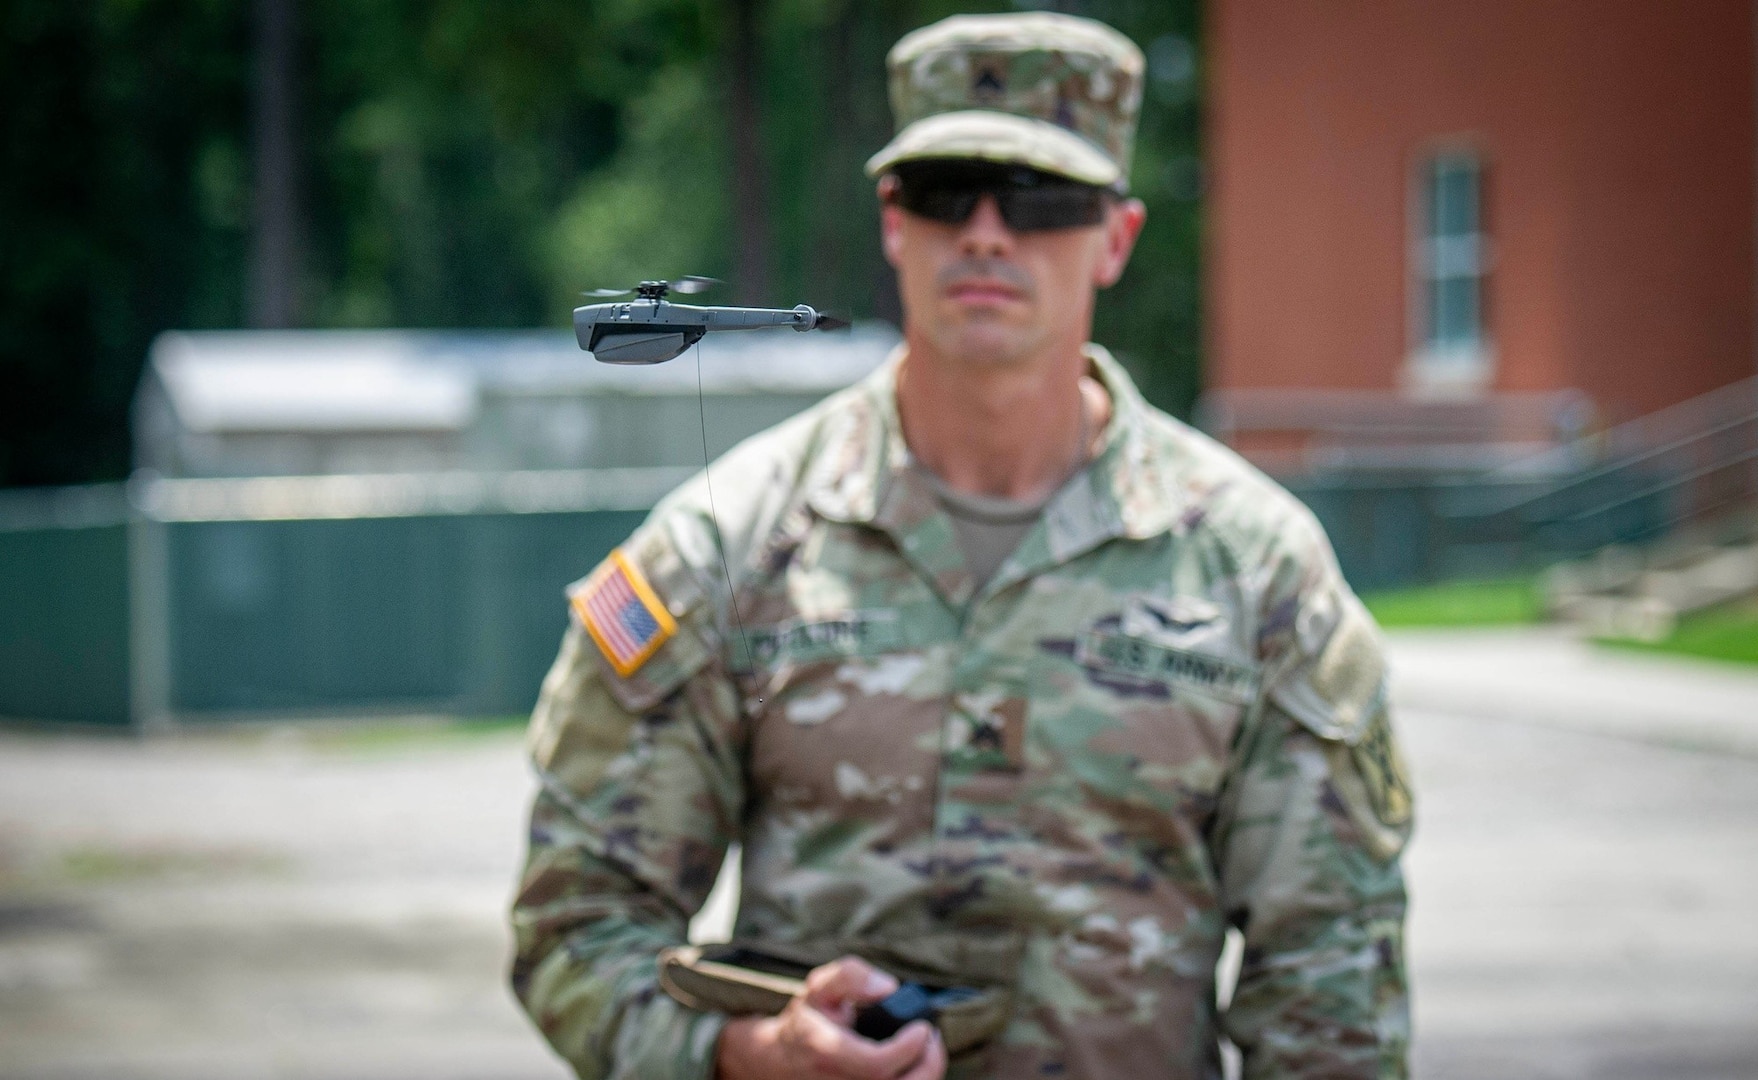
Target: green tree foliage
{"type": "Point", "coordinates": [122, 135]}
{"type": "Point", "coordinates": [471, 163]}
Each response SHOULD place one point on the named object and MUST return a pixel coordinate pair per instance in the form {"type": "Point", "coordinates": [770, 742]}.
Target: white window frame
{"type": "Point", "coordinates": [1459, 365]}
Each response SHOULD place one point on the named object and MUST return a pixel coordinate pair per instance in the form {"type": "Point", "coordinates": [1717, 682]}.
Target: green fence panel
{"type": "Point", "coordinates": [520, 563]}
{"type": "Point", "coordinates": [64, 625]}
{"type": "Point", "coordinates": [1382, 533]}
{"type": "Point", "coordinates": [458, 614]}
{"type": "Point", "coordinates": [305, 615]}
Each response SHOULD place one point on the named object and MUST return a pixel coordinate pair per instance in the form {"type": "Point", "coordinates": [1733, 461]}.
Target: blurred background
{"type": "Point", "coordinates": [297, 453]}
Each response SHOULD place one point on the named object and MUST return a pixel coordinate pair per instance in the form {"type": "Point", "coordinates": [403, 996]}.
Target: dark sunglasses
{"type": "Point", "coordinates": [1030, 201]}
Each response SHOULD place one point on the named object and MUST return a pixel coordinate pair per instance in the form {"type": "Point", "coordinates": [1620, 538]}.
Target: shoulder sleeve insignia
{"type": "Point", "coordinates": [623, 614]}
{"type": "Point", "coordinates": [1381, 766]}
{"type": "Point", "coordinates": [1371, 780]}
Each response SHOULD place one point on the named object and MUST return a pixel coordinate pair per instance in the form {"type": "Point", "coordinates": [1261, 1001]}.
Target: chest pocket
{"type": "Point", "coordinates": [848, 726]}
{"type": "Point", "coordinates": [1156, 668]}
{"type": "Point", "coordinates": [1141, 707]}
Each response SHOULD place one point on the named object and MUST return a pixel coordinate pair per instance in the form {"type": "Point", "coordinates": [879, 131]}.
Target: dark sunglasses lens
{"type": "Point", "coordinates": [1030, 201]}
{"type": "Point", "coordinates": [950, 204]}
{"type": "Point", "coordinates": [1053, 206]}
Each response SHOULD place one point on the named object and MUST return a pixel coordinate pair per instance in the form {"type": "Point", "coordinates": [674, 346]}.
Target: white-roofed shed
{"type": "Point", "coordinates": [321, 402]}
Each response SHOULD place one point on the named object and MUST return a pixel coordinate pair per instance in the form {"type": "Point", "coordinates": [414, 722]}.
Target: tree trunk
{"type": "Point", "coordinates": [275, 240]}
{"type": "Point", "coordinates": [838, 180]}
{"type": "Point", "coordinates": [750, 175]}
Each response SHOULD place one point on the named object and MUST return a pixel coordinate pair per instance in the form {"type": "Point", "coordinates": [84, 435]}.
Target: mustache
{"type": "Point", "coordinates": [992, 269]}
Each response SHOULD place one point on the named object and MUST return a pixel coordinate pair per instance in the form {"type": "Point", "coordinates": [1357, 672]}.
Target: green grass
{"type": "Point", "coordinates": [1729, 634]}
{"type": "Point", "coordinates": [95, 865]}
{"type": "Point", "coordinates": [1458, 603]}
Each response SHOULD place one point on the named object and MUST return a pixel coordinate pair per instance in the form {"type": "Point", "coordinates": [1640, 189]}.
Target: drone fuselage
{"type": "Point", "coordinates": [649, 330]}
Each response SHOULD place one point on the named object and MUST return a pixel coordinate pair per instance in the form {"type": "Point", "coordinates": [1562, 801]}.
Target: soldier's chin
{"type": "Point", "coordinates": [991, 341]}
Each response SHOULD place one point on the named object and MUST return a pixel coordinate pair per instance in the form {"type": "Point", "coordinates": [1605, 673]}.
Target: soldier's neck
{"type": "Point", "coordinates": [1011, 431]}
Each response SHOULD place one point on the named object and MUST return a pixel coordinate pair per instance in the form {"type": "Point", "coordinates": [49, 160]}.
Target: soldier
{"type": "Point", "coordinates": [1003, 678]}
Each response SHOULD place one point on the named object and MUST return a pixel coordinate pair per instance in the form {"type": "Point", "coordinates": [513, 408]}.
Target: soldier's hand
{"type": "Point", "coordinates": [814, 1036]}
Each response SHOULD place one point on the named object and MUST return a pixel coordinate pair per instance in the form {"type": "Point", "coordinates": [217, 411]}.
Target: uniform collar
{"type": "Point", "coordinates": [1128, 490]}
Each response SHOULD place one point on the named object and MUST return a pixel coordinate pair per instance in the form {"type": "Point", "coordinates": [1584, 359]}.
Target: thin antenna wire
{"type": "Point", "coordinates": [708, 478]}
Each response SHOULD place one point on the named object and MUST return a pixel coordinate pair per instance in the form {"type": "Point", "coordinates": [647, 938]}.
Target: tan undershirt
{"type": "Point", "coordinates": [988, 529]}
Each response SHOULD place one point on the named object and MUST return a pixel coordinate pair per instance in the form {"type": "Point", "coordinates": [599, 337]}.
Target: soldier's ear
{"type": "Point", "coordinates": [1123, 224]}
{"type": "Point", "coordinates": [890, 219]}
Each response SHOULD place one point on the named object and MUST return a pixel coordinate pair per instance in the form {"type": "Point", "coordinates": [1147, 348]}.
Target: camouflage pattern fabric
{"type": "Point", "coordinates": [1162, 717]}
{"type": "Point", "coordinates": [1052, 91]}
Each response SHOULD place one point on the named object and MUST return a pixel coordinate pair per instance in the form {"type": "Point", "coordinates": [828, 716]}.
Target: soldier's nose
{"type": "Point", "coordinates": [986, 233]}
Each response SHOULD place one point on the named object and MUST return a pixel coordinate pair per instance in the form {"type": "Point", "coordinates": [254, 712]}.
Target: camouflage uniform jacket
{"type": "Point", "coordinates": [1162, 717]}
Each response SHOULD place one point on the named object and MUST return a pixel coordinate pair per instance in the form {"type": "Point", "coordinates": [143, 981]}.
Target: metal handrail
{"type": "Point", "coordinates": [1551, 506]}
{"type": "Point", "coordinates": [1375, 423]}
{"type": "Point", "coordinates": [1630, 461]}
{"type": "Point", "coordinates": [1665, 486]}
{"type": "Point", "coordinates": [1739, 399]}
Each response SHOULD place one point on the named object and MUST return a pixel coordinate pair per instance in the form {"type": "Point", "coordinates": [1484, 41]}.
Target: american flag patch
{"type": "Point", "coordinates": [623, 614]}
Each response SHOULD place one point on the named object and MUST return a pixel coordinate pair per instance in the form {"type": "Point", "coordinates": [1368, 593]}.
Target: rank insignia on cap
{"type": "Point", "coordinates": [623, 614]}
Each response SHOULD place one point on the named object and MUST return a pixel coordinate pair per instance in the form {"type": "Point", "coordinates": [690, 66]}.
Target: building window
{"type": "Point", "coordinates": [1452, 266]}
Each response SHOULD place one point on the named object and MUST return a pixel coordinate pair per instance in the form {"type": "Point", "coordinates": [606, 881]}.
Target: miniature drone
{"type": "Point", "coordinates": [651, 329]}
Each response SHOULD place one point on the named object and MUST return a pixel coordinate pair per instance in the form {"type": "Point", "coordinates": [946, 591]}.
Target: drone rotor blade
{"type": "Point", "coordinates": [607, 292]}
{"type": "Point", "coordinates": [694, 284]}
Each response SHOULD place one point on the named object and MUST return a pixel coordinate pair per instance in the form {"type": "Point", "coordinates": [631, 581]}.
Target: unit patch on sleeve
{"type": "Point", "coordinates": [1381, 766]}
{"type": "Point", "coordinates": [623, 614]}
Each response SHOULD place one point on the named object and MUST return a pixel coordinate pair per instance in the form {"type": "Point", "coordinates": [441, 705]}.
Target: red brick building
{"type": "Point", "coordinates": [1486, 205]}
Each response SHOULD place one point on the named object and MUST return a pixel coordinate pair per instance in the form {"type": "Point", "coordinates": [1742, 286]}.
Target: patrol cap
{"type": "Point", "coordinates": [1055, 92]}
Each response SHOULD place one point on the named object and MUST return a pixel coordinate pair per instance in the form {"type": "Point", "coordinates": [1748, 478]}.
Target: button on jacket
{"type": "Point", "coordinates": [1164, 716]}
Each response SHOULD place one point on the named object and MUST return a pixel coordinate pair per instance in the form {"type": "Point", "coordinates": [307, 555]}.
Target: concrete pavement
{"type": "Point", "coordinates": [291, 905]}
{"type": "Point", "coordinates": [295, 904]}
{"type": "Point", "coordinates": [1586, 862]}
{"type": "Point", "coordinates": [1550, 677]}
